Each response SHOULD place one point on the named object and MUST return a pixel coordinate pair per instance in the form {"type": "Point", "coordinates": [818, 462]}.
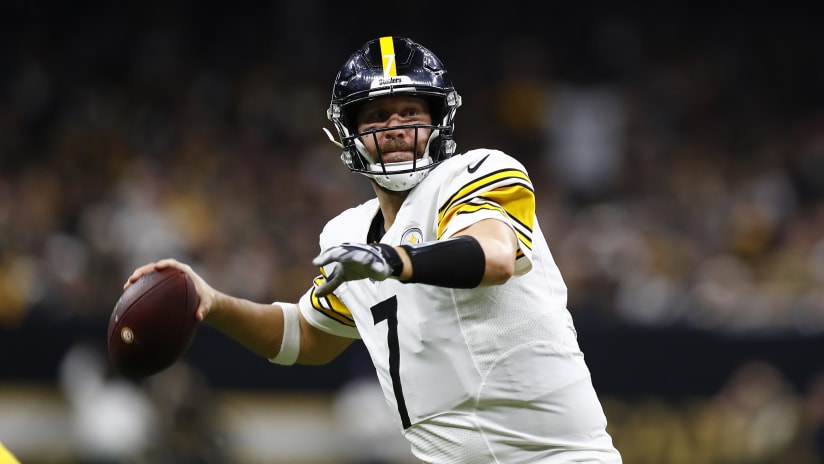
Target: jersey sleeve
{"type": "Point", "coordinates": [327, 313]}
{"type": "Point", "coordinates": [491, 185]}
{"type": "Point", "coordinates": [330, 314]}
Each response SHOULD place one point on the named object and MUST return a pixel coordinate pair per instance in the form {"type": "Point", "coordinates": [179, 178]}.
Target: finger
{"type": "Point", "coordinates": [169, 262]}
{"type": "Point", "coordinates": [326, 288]}
{"type": "Point", "coordinates": [328, 256]}
{"type": "Point", "coordinates": [202, 309]}
{"type": "Point", "coordinates": [329, 286]}
{"type": "Point", "coordinates": [138, 273]}
{"type": "Point", "coordinates": [150, 267]}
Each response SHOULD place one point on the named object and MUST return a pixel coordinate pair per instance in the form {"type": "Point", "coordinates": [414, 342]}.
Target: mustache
{"type": "Point", "coordinates": [396, 145]}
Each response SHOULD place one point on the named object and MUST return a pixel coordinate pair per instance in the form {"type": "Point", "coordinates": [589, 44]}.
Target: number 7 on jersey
{"type": "Point", "coordinates": [387, 310]}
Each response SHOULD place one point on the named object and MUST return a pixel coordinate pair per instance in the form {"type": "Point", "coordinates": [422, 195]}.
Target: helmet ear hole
{"type": "Point", "coordinates": [349, 116]}
{"type": "Point", "coordinates": [436, 109]}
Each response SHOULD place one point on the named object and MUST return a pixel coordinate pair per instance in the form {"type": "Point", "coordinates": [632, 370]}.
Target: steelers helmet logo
{"type": "Point", "coordinates": [126, 335]}
{"type": "Point", "coordinates": [412, 236]}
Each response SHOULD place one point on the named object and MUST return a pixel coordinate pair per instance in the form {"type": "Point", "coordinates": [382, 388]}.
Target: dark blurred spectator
{"type": "Point", "coordinates": [189, 430]}
{"type": "Point", "coordinates": [755, 416]}
{"type": "Point", "coordinates": [112, 420]}
{"type": "Point", "coordinates": [814, 417]}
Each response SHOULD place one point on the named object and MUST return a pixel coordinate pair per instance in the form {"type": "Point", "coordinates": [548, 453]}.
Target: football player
{"type": "Point", "coordinates": [445, 276]}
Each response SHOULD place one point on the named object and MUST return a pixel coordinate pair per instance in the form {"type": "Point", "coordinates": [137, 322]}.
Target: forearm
{"type": "Point", "coordinates": [257, 326]}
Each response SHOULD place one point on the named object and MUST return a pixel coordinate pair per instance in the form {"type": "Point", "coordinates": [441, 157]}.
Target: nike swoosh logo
{"type": "Point", "coordinates": [472, 169]}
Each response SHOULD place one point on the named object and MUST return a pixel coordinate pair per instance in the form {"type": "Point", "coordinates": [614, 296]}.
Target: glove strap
{"type": "Point", "coordinates": [392, 258]}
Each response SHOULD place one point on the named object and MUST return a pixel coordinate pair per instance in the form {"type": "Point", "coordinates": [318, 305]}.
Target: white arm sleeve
{"type": "Point", "coordinates": [290, 346]}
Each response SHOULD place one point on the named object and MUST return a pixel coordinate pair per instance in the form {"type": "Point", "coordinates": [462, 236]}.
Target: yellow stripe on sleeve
{"type": "Point", "coordinates": [519, 204]}
{"type": "Point", "coordinates": [464, 208]}
{"type": "Point", "coordinates": [331, 306]}
{"type": "Point", "coordinates": [516, 199]}
{"type": "Point", "coordinates": [511, 175]}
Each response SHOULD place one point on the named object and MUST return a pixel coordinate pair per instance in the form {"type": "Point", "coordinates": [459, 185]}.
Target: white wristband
{"type": "Point", "coordinates": [290, 346]}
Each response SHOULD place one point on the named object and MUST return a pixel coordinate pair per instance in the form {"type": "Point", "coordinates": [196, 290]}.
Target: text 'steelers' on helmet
{"type": "Point", "coordinates": [387, 66]}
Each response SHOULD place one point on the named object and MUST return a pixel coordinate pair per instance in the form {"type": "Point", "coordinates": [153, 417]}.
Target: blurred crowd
{"type": "Point", "coordinates": [755, 417]}
{"type": "Point", "coordinates": [678, 158]}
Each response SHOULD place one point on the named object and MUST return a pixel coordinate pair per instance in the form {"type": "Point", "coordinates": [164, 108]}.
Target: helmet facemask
{"type": "Point", "coordinates": [402, 175]}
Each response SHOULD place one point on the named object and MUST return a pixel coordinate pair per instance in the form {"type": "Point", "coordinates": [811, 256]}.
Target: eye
{"type": "Point", "coordinates": [374, 116]}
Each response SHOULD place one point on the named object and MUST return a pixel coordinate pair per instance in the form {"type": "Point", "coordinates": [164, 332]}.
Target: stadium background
{"type": "Point", "coordinates": [677, 149]}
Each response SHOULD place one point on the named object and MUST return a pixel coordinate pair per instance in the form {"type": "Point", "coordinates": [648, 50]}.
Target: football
{"type": "Point", "coordinates": [153, 323]}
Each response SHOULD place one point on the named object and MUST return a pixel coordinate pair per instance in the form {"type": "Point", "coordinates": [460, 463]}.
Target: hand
{"type": "Point", "coordinates": [357, 261]}
{"type": "Point", "coordinates": [206, 293]}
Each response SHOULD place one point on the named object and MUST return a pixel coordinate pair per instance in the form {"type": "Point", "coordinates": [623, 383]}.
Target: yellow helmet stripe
{"type": "Point", "coordinates": [388, 56]}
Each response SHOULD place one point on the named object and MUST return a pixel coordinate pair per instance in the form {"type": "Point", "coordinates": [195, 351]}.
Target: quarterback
{"type": "Point", "coordinates": [445, 275]}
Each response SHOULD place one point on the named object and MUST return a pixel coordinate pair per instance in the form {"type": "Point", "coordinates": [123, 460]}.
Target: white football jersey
{"type": "Point", "coordinates": [491, 374]}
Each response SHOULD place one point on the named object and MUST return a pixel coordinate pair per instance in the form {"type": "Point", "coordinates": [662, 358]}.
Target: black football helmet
{"type": "Point", "coordinates": [387, 66]}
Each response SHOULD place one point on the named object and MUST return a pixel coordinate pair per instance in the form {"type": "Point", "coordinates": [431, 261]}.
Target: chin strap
{"type": "Point", "coordinates": [332, 137]}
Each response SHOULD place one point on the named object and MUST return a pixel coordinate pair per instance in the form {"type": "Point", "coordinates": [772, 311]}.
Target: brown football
{"type": "Point", "coordinates": [153, 323]}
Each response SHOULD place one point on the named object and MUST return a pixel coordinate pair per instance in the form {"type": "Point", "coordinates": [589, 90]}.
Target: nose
{"type": "Point", "coordinates": [390, 129]}
{"type": "Point", "coordinates": [394, 119]}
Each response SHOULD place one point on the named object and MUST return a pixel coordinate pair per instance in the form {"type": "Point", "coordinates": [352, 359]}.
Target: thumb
{"type": "Point", "coordinates": [332, 282]}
